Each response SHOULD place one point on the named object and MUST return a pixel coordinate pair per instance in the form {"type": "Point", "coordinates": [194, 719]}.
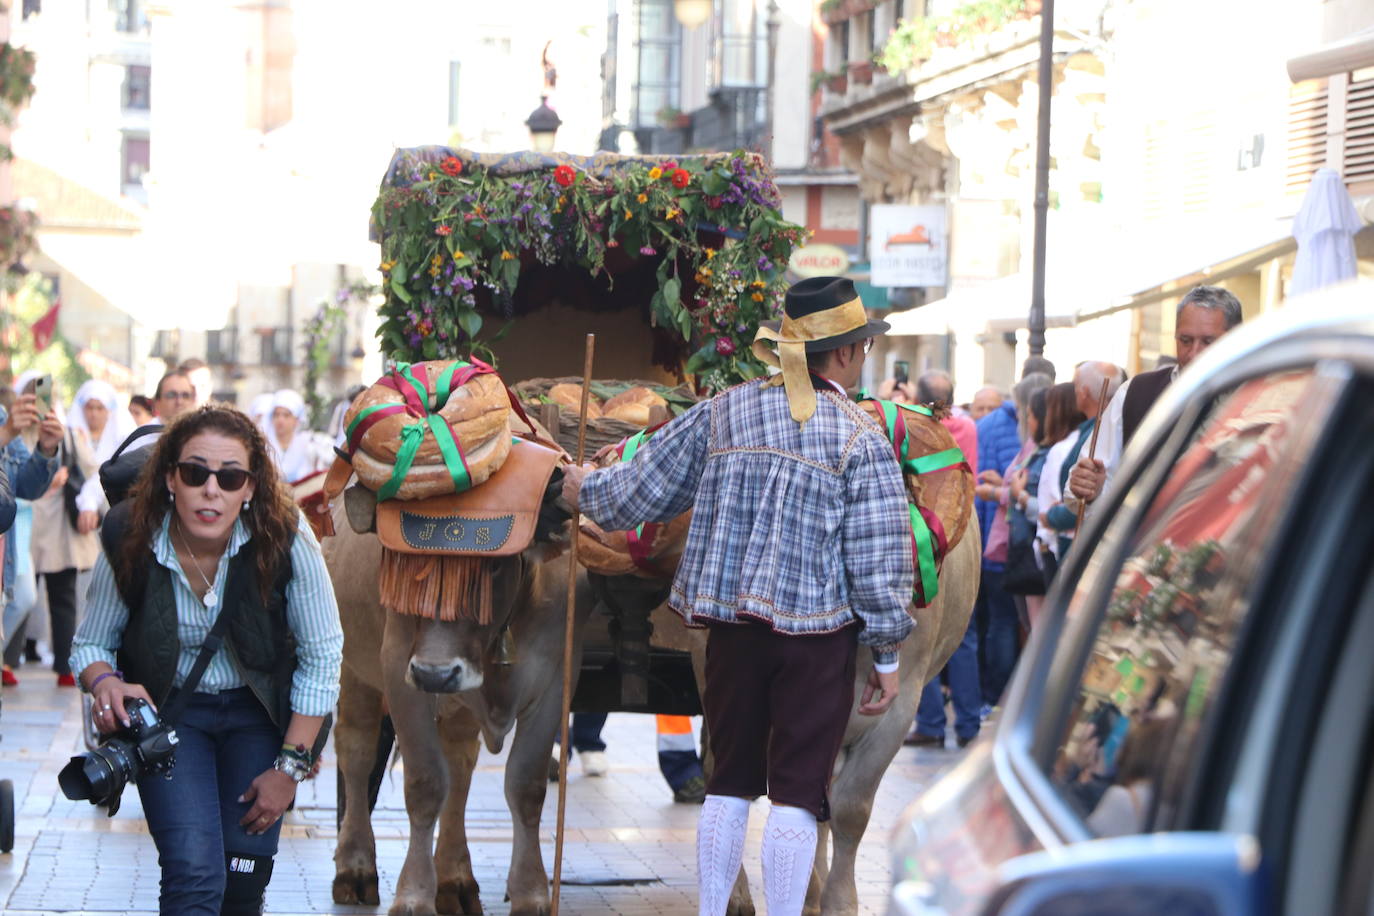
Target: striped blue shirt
{"type": "Point", "coordinates": [311, 612]}
{"type": "Point", "coordinates": [805, 529]}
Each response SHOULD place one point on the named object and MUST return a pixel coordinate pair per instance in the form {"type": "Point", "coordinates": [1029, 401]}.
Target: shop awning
{"type": "Point", "coordinates": [1002, 305]}
{"type": "Point", "coordinates": [154, 284]}
{"type": "Point", "coordinates": [1157, 263]}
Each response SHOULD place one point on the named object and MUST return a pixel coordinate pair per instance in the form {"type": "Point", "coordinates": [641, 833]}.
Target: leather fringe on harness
{"type": "Point", "coordinates": [444, 588]}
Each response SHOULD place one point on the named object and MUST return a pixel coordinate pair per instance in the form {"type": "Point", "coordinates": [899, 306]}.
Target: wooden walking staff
{"type": "Point", "coordinates": [564, 752]}
{"type": "Point", "coordinates": [1092, 452]}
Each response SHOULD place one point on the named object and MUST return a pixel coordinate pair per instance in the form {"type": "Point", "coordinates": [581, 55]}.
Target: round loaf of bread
{"type": "Point", "coordinates": [947, 493]}
{"type": "Point", "coordinates": [569, 396]}
{"type": "Point", "coordinates": [477, 412]}
{"type": "Point", "coordinates": [634, 406]}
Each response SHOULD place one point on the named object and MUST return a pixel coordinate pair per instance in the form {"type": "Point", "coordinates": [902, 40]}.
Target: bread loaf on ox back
{"type": "Point", "coordinates": [478, 413]}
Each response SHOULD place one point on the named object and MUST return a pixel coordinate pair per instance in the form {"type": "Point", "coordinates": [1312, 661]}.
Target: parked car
{"type": "Point", "coordinates": [1189, 729]}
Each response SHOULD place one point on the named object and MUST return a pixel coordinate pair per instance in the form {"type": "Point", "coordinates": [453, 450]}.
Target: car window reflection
{"type": "Point", "coordinates": [1178, 600]}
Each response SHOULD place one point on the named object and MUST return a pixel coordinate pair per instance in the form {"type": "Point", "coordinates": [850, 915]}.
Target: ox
{"type": "Point", "coordinates": [444, 689]}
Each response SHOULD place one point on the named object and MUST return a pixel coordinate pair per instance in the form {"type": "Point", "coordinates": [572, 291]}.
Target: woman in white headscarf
{"type": "Point", "coordinates": [292, 444]}
{"type": "Point", "coordinates": [63, 547]}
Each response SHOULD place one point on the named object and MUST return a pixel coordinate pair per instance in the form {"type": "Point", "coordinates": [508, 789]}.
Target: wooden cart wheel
{"type": "Point", "coordinates": [6, 815]}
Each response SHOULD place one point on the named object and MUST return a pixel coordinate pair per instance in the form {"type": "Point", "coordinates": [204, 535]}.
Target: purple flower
{"type": "Point", "coordinates": [647, 249]}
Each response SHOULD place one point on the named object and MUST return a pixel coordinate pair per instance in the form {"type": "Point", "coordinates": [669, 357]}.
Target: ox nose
{"type": "Point", "coordinates": [437, 678]}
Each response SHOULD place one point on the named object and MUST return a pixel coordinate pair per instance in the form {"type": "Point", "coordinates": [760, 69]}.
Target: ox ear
{"type": "Point", "coordinates": [360, 504]}
{"type": "Point", "coordinates": [554, 514]}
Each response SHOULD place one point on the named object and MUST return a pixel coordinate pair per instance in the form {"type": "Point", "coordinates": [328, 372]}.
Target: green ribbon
{"type": "Point", "coordinates": [925, 464]}
{"type": "Point", "coordinates": [453, 457]}
{"type": "Point", "coordinates": [411, 437]}
{"type": "Point", "coordinates": [925, 554]}
{"type": "Point", "coordinates": [627, 453]}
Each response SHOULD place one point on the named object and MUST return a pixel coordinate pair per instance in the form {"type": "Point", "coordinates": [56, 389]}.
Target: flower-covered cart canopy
{"type": "Point", "coordinates": [696, 244]}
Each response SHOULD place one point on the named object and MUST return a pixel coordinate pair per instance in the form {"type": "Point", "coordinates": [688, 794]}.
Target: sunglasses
{"type": "Point", "coordinates": [195, 475]}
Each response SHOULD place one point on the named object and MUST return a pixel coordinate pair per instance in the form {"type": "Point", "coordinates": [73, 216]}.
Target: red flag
{"type": "Point", "coordinates": [44, 328]}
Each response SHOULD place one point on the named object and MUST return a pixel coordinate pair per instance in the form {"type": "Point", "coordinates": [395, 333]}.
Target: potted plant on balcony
{"type": "Point", "coordinates": [861, 72]}
{"type": "Point", "coordinates": [671, 117]}
{"type": "Point", "coordinates": [837, 82]}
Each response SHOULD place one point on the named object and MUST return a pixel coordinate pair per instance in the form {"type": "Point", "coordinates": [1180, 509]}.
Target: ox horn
{"type": "Point", "coordinates": [505, 648]}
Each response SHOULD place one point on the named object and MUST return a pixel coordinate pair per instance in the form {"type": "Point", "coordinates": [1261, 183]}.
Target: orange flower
{"type": "Point", "coordinates": [642, 198]}
{"type": "Point", "coordinates": [451, 166]}
{"type": "Point", "coordinates": [655, 173]}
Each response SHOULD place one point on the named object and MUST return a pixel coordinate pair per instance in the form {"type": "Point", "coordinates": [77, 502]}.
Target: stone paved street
{"type": "Point", "coordinates": [629, 849]}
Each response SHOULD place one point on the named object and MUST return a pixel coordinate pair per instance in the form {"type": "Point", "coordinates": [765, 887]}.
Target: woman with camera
{"type": "Point", "coordinates": [211, 545]}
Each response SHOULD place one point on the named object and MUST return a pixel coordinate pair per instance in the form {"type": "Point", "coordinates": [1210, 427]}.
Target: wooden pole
{"type": "Point", "coordinates": [1092, 452]}
{"type": "Point", "coordinates": [564, 752]}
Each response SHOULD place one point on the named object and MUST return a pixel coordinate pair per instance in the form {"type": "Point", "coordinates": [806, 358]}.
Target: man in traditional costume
{"type": "Point", "coordinates": [799, 548]}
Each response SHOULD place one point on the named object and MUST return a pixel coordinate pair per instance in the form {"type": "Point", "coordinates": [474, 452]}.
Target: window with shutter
{"type": "Point", "coordinates": [1359, 133]}
{"type": "Point", "coordinates": [1307, 117]}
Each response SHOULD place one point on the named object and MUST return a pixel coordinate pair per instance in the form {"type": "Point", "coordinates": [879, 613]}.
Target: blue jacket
{"type": "Point", "coordinates": [998, 442]}
{"type": "Point", "coordinates": [29, 474]}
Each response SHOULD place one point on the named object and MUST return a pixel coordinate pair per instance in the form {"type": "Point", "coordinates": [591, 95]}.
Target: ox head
{"type": "Point", "coordinates": [452, 656]}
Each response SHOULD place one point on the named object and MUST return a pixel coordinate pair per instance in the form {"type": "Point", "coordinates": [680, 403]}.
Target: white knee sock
{"type": "Point", "coordinates": [789, 851]}
{"type": "Point", "coordinates": [720, 849]}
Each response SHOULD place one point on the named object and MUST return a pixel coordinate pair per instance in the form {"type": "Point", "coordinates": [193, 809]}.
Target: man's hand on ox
{"type": "Point", "coordinates": [882, 684]}
{"type": "Point", "coordinates": [1087, 478]}
{"type": "Point", "coordinates": [573, 475]}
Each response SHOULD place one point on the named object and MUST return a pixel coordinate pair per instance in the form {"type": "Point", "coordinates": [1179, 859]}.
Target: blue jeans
{"type": "Point", "coordinates": [1000, 645]}
{"type": "Point", "coordinates": [586, 731]}
{"type": "Point", "coordinates": [964, 692]}
{"type": "Point", "coordinates": [226, 741]}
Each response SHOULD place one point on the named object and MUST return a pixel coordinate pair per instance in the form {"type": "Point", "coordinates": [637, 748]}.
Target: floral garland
{"type": "Point", "coordinates": [713, 225]}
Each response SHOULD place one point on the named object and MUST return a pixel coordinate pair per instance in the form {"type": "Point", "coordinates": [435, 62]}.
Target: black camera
{"type": "Point", "coordinates": [148, 744]}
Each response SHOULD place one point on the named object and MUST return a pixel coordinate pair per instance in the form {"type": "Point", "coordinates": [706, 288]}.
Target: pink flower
{"type": "Point", "coordinates": [725, 346]}
{"type": "Point", "coordinates": [647, 249]}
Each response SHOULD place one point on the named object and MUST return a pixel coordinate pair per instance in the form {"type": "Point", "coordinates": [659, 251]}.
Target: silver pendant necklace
{"type": "Point", "coordinates": [210, 599]}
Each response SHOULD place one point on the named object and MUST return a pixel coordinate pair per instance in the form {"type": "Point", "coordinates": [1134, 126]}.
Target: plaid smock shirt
{"type": "Point", "coordinates": [805, 529]}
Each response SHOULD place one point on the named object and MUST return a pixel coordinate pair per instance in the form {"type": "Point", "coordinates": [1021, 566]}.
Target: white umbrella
{"type": "Point", "coordinates": [1325, 228]}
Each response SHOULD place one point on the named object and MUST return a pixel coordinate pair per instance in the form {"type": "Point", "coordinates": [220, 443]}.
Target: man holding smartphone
{"type": "Point", "coordinates": [29, 472]}
{"type": "Point", "coordinates": [799, 550]}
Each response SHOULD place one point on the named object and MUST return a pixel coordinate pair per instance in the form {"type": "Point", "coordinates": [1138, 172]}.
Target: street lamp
{"type": "Point", "coordinates": [692, 13]}
{"type": "Point", "coordinates": [543, 123]}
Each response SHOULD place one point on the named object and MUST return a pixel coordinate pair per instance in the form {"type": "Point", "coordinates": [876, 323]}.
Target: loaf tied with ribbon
{"type": "Point", "coordinates": [939, 482]}
{"type": "Point", "coordinates": [652, 550]}
{"type": "Point", "coordinates": [429, 429]}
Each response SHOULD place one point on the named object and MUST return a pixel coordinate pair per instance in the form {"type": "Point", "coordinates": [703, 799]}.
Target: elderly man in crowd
{"type": "Point", "coordinates": [1203, 315]}
{"type": "Point", "coordinates": [1060, 516]}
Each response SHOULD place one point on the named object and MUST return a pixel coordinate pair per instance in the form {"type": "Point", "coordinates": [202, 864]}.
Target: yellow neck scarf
{"type": "Point", "coordinates": [792, 338]}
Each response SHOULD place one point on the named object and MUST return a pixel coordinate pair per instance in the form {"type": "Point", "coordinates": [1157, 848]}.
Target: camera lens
{"type": "Point", "coordinates": [99, 776]}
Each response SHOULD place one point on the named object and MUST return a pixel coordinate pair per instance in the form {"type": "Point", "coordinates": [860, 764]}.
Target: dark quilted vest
{"type": "Point", "coordinates": [259, 640]}
{"type": "Point", "coordinates": [1141, 395]}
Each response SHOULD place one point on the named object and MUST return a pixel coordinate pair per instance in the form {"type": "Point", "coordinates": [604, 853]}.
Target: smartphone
{"type": "Point", "coordinates": [42, 390]}
{"type": "Point", "coordinates": [901, 369]}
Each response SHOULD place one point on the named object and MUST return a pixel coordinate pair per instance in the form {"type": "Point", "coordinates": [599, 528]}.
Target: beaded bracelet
{"type": "Point", "coordinates": [297, 752]}
{"type": "Point", "coordinates": [118, 674]}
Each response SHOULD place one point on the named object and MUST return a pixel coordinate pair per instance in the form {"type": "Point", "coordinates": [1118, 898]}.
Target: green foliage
{"type": "Point", "coordinates": [914, 40]}
{"type": "Point", "coordinates": [320, 332]}
{"type": "Point", "coordinates": [31, 302]}
{"type": "Point", "coordinates": [449, 226]}
{"type": "Point", "coordinates": [16, 86]}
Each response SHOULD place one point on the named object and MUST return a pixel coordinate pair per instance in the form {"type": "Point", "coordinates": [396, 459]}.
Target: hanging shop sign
{"type": "Point", "coordinates": [818, 260]}
{"type": "Point", "coordinates": [909, 245]}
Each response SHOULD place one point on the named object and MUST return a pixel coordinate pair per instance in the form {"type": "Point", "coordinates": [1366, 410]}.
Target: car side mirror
{"type": "Point", "coordinates": [1183, 874]}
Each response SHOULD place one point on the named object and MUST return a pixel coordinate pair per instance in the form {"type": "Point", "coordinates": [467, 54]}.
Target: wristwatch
{"type": "Point", "coordinates": [296, 769]}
